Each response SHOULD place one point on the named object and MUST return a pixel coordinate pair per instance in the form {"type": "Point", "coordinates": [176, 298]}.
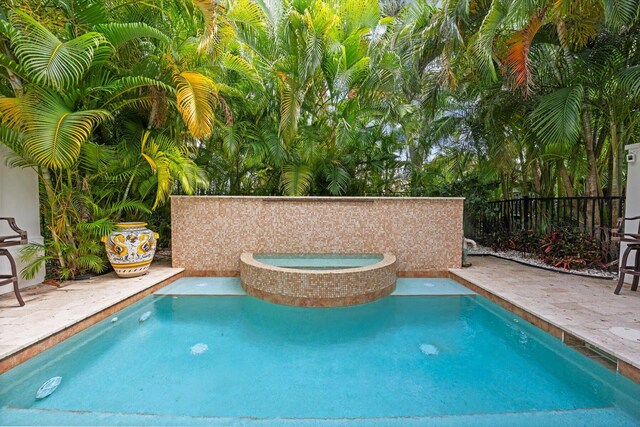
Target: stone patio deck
{"type": "Point", "coordinates": [54, 314]}
{"type": "Point", "coordinates": [575, 309]}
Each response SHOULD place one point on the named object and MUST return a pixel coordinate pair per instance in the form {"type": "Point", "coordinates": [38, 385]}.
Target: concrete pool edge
{"type": "Point", "coordinates": [569, 338]}
{"type": "Point", "coordinates": [316, 287]}
{"type": "Point", "coordinates": [28, 351]}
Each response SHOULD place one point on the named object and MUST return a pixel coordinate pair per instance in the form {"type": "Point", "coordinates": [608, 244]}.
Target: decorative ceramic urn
{"type": "Point", "coordinates": [130, 248]}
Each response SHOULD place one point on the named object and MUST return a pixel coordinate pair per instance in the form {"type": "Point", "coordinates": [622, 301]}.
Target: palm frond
{"type": "Point", "coordinates": [240, 65]}
{"type": "Point", "coordinates": [290, 104]}
{"type": "Point", "coordinates": [630, 80]}
{"type": "Point", "coordinates": [296, 180]}
{"type": "Point", "coordinates": [517, 64]}
{"type": "Point", "coordinates": [12, 138]}
{"type": "Point", "coordinates": [129, 84]}
{"type": "Point", "coordinates": [35, 256]}
{"type": "Point", "coordinates": [337, 178]}
{"type": "Point", "coordinates": [482, 47]}
{"type": "Point", "coordinates": [91, 262]}
{"type": "Point", "coordinates": [118, 33]}
{"type": "Point", "coordinates": [217, 26]}
{"type": "Point", "coordinates": [558, 116]}
{"type": "Point", "coordinates": [12, 112]}
{"type": "Point", "coordinates": [359, 13]}
{"type": "Point", "coordinates": [54, 134]}
{"type": "Point", "coordinates": [619, 13]}
{"type": "Point", "coordinates": [196, 94]}
{"type": "Point", "coordinates": [49, 60]}
{"type": "Point", "coordinates": [248, 13]}
{"type": "Point", "coordinates": [84, 12]}
{"type": "Point", "coordinates": [98, 228]}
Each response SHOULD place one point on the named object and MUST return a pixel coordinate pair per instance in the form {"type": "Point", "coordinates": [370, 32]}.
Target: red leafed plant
{"type": "Point", "coordinates": [565, 248]}
{"type": "Point", "coordinates": [570, 250]}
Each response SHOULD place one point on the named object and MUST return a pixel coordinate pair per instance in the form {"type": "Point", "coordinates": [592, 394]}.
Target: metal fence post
{"type": "Point", "coordinates": [525, 212]}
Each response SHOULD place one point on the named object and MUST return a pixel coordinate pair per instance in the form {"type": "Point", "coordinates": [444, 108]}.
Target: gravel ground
{"type": "Point", "coordinates": [524, 259]}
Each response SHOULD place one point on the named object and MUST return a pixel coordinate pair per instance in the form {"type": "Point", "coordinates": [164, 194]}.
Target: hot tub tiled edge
{"type": "Point", "coordinates": [318, 288]}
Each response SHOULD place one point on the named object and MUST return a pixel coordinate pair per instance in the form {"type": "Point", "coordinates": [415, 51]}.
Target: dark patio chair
{"type": "Point", "coordinates": [13, 240]}
{"type": "Point", "coordinates": [633, 244]}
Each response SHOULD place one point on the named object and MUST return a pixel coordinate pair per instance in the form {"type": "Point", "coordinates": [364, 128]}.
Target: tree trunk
{"type": "Point", "coordinates": [592, 189]}
{"type": "Point", "coordinates": [614, 178]}
{"type": "Point", "coordinates": [615, 159]}
{"type": "Point", "coordinates": [504, 187]}
{"type": "Point", "coordinates": [14, 80]}
{"type": "Point", "coordinates": [537, 178]}
{"type": "Point", "coordinates": [566, 180]}
{"type": "Point", "coordinates": [609, 173]}
{"type": "Point", "coordinates": [51, 197]}
{"type": "Point", "coordinates": [561, 29]}
{"type": "Point", "coordinates": [524, 185]}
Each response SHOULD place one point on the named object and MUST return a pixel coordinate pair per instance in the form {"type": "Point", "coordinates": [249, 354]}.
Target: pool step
{"type": "Point", "coordinates": [429, 286]}
{"type": "Point", "coordinates": [203, 286]}
{"type": "Point", "coordinates": [231, 286]}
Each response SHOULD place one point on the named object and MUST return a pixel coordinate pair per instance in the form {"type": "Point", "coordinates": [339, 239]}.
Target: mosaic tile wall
{"type": "Point", "coordinates": [325, 288]}
{"type": "Point", "coordinates": [210, 232]}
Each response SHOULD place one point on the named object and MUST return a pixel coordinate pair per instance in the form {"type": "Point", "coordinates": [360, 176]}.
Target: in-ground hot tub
{"type": "Point", "coordinates": [318, 280]}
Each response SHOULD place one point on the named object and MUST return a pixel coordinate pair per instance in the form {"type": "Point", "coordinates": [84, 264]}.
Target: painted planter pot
{"type": "Point", "coordinates": [130, 248]}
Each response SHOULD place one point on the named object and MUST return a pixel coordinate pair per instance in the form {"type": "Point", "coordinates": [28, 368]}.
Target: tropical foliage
{"type": "Point", "coordinates": [108, 135]}
{"type": "Point", "coordinates": [117, 104]}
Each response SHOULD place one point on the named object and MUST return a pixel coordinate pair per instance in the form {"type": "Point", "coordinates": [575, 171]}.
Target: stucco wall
{"type": "Point", "coordinates": [19, 199]}
{"type": "Point", "coordinates": [632, 202]}
{"type": "Point", "coordinates": [210, 232]}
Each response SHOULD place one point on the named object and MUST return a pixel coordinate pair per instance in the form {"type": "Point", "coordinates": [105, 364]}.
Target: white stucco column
{"type": "Point", "coordinates": [632, 203]}
{"type": "Point", "coordinates": [19, 198]}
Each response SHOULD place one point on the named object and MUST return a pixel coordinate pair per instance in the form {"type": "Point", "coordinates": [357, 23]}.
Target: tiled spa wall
{"type": "Point", "coordinates": [318, 288]}
{"type": "Point", "coordinates": [210, 232]}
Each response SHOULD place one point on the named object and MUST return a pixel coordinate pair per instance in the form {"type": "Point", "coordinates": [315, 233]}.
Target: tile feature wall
{"type": "Point", "coordinates": [318, 288]}
{"type": "Point", "coordinates": [210, 232]}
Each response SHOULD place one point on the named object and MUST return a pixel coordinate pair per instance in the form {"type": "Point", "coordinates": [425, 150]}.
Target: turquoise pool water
{"type": "Point", "coordinates": [236, 360]}
{"type": "Point", "coordinates": [318, 261]}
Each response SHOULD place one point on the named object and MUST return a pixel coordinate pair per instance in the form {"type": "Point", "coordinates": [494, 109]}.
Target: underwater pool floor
{"type": "Point", "coordinates": [236, 360]}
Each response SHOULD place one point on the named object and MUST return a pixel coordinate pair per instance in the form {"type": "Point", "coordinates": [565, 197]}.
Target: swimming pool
{"type": "Point", "coordinates": [236, 360]}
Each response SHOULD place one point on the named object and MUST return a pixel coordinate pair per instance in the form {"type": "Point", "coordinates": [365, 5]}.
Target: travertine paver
{"type": "Point", "coordinates": [584, 307]}
{"type": "Point", "coordinates": [49, 310]}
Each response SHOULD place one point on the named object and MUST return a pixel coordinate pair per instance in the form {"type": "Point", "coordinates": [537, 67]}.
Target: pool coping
{"type": "Point", "coordinates": [570, 338]}
{"type": "Point", "coordinates": [29, 350]}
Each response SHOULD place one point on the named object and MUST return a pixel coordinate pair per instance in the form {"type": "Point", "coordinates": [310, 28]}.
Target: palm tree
{"type": "Point", "coordinates": [559, 35]}
{"type": "Point", "coordinates": [303, 107]}
{"type": "Point", "coordinates": [71, 103]}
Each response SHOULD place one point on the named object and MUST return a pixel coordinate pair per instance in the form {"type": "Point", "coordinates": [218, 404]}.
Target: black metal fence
{"type": "Point", "coordinates": [595, 216]}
